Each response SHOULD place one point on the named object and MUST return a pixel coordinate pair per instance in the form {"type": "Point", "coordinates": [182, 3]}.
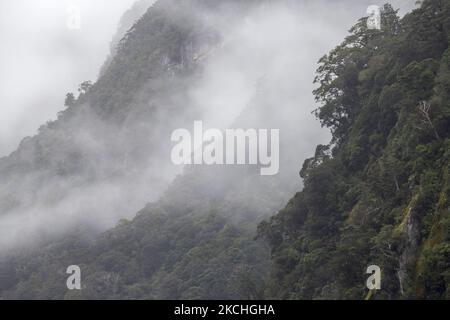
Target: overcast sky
{"type": "Point", "coordinates": [41, 59]}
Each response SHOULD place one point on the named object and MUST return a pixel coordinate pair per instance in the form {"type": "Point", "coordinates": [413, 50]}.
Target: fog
{"type": "Point", "coordinates": [42, 59]}
{"type": "Point", "coordinates": [260, 73]}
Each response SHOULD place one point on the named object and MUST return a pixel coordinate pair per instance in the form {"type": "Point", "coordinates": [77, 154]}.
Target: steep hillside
{"type": "Point", "coordinates": [197, 241]}
{"type": "Point", "coordinates": [379, 194]}
{"type": "Point", "coordinates": [107, 145]}
{"type": "Point", "coordinates": [127, 21]}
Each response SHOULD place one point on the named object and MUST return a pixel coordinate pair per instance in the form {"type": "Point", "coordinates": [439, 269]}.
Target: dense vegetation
{"type": "Point", "coordinates": [197, 241]}
{"type": "Point", "coordinates": [379, 194]}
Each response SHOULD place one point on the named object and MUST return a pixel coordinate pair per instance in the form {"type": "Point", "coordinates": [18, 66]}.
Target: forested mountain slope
{"type": "Point", "coordinates": [379, 194]}
{"type": "Point", "coordinates": [197, 241]}
{"type": "Point", "coordinates": [127, 21]}
{"type": "Point", "coordinates": [113, 140]}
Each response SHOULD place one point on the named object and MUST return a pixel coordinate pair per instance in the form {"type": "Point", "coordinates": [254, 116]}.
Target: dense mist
{"type": "Point", "coordinates": [42, 59]}
{"type": "Point", "coordinates": [109, 154]}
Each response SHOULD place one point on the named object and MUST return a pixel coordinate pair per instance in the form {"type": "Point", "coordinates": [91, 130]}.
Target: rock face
{"type": "Point", "coordinates": [409, 254]}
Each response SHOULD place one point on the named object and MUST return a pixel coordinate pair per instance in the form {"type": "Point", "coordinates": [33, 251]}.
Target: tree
{"type": "Point", "coordinates": [85, 87]}
{"type": "Point", "coordinates": [70, 100]}
{"type": "Point", "coordinates": [424, 108]}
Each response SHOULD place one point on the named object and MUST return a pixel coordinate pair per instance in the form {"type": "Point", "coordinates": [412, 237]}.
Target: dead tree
{"type": "Point", "coordinates": [424, 108]}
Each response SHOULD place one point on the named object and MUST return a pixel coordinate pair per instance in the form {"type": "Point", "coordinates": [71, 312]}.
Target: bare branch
{"type": "Point", "coordinates": [424, 108]}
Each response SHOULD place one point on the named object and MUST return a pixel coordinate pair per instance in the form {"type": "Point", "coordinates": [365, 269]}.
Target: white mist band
{"type": "Point", "coordinates": [235, 147]}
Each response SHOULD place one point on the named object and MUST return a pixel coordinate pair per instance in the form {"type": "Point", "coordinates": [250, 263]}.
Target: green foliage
{"type": "Point", "coordinates": [382, 197]}
{"type": "Point", "coordinates": [379, 194]}
{"type": "Point", "coordinates": [70, 100]}
{"type": "Point", "coordinates": [197, 242]}
{"type": "Point", "coordinates": [84, 87]}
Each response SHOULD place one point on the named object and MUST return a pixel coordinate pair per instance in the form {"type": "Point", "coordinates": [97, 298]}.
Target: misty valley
{"type": "Point", "coordinates": [228, 150]}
